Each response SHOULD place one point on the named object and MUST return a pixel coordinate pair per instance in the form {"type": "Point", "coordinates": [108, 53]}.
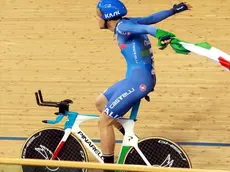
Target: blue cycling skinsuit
{"type": "Point", "coordinates": [140, 77]}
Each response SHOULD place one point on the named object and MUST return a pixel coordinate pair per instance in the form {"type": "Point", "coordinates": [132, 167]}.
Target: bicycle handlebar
{"type": "Point", "coordinates": [41, 102]}
{"type": "Point", "coordinates": [62, 105]}
{"type": "Point", "coordinates": [57, 120]}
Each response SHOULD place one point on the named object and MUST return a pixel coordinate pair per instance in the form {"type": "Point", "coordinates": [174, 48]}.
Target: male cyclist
{"type": "Point", "coordinates": [140, 79]}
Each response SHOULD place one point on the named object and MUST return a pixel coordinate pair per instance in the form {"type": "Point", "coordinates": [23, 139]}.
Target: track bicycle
{"type": "Point", "coordinates": [70, 143]}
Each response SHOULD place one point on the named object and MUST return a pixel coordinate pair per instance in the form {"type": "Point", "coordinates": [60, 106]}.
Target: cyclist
{"type": "Point", "coordinates": [132, 39]}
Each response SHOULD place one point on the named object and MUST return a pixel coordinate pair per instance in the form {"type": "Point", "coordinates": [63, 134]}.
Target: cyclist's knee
{"type": "Point", "coordinates": [100, 102]}
{"type": "Point", "coordinates": [105, 120]}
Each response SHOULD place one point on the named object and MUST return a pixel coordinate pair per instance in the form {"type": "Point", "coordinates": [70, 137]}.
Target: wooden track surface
{"type": "Point", "coordinates": [56, 46]}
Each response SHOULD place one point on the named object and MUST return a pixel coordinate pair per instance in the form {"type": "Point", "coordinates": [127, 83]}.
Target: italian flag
{"type": "Point", "coordinates": [201, 48]}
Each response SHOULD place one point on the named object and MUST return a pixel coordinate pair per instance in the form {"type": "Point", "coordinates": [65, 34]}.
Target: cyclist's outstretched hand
{"type": "Point", "coordinates": [165, 40]}
{"type": "Point", "coordinates": [183, 6]}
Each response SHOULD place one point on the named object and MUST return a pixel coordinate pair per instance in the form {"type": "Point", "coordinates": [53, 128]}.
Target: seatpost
{"type": "Point", "coordinates": [133, 114]}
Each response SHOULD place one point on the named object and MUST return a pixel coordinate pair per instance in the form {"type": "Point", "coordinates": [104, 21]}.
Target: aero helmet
{"type": "Point", "coordinates": [111, 9]}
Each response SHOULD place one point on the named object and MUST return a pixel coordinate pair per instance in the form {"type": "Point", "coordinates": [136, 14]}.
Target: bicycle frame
{"type": "Point", "coordinates": [73, 126]}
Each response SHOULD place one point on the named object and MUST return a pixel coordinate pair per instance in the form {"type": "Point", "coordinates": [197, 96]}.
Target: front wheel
{"type": "Point", "coordinates": [43, 143]}
{"type": "Point", "coordinates": [160, 152]}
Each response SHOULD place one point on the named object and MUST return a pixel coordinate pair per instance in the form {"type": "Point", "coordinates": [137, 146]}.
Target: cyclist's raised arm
{"type": "Point", "coordinates": [159, 16]}
{"type": "Point", "coordinates": [153, 18]}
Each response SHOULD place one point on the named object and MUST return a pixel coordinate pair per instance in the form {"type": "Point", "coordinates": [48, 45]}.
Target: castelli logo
{"type": "Point", "coordinates": [142, 87]}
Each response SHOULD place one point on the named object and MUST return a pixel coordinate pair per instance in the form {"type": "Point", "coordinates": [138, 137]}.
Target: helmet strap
{"type": "Point", "coordinates": [106, 24]}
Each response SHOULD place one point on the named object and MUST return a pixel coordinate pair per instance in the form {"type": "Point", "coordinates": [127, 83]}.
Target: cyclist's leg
{"type": "Point", "coordinates": [117, 106]}
{"type": "Point", "coordinates": [107, 135]}
{"type": "Point", "coordinates": [100, 102]}
{"type": "Point", "coordinates": [103, 99]}
{"type": "Point", "coordinates": [106, 123]}
{"type": "Point", "coordinates": [125, 98]}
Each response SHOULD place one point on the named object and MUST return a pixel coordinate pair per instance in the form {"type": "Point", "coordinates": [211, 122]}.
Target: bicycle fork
{"type": "Point", "coordinates": [61, 143]}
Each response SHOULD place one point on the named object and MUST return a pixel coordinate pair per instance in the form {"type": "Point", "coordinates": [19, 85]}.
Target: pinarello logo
{"type": "Point", "coordinates": [142, 87]}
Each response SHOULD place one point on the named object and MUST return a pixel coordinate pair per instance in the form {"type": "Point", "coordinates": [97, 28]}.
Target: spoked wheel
{"type": "Point", "coordinates": [42, 144]}
{"type": "Point", "coordinates": [160, 152]}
